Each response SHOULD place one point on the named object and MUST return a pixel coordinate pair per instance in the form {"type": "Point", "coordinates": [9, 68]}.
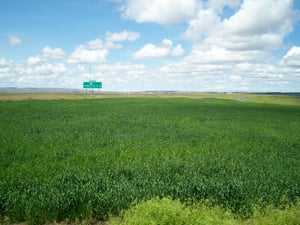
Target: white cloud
{"type": "Point", "coordinates": [121, 76]}
{"type": "Point", "coordinates": [96, 51]}
{"type": "Point", "coordinates": [84, 55]}
{"type": "Point", "coordinates": [204, 24]}
{"type": "Point", "coordinates": [14, 40]}
{"type": "Point", "coordinates": [164, 50]}
{"type": "Point", "coordinates": [224, 76]}
{"type": "Point", "coordinates": [292, 57]}
{"type": "Point", "coordinates": [48, 53]}
{"type": "Point", "coordinates": [5, 67]}
{"type": "Point", "coordinates": [263, 42]}
{"type": "Point", "coordinates": [4, 63]}
{"type": "Point", "coordinates": [111, 38]}
{"type": "Point", "coordinates": [121, 69]}
{"type": "Point", "coordinates": [122, 36]}
{"type": "Point", "coordinates": [213, 68]}
{"type": "Point", "coordinates": [258, 17]}
{"type": "Point", "coordinates": [215, 55]}
{"type": "Point", "coordinates": [49, 69]}
{"type": "Point", "coordinates": [96, 44]}
{"type": "Point", "coordinates": [177, 51]}
{"type": "Point", "coordinates": [257, 25]}
{"type": "Point", "coordinates": [53, 53]}
{"type": "Point", "coordinates": [35, 60]}
{"type": "Point", "coordinates": [158, 11]}
{"type": "Point", "coordinates": [43, 74]}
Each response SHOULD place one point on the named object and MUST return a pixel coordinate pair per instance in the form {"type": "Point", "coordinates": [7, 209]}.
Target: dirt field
{"type": "Point", "coordinates": [240, 97]}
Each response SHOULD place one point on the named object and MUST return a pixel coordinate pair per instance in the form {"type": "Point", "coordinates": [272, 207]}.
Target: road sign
{"type": "Point", "coordinates": [92, 84]}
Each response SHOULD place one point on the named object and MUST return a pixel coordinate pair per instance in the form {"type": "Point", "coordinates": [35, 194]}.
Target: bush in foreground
{"type": "Point", "coordinates": [171, 212]}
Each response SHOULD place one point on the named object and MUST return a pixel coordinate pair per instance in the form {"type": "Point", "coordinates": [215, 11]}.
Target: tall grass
{"type": "Point", "coordinates": [167, 211]}
{"type": "Point", "coordinates": [93, 158]}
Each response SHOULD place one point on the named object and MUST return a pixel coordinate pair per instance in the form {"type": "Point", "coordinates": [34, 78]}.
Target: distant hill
{"type": "Point", "coordinates": [38, 90]}
{"type": "Point", "coordinates": [153, 92]}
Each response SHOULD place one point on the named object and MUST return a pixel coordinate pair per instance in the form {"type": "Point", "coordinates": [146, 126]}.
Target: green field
{"type": "Point", "coordinates": [94, 158]}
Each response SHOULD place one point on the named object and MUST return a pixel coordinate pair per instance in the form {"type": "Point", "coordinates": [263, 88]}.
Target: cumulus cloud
{"type": "Point", "coordinates": [5, 67]}
{"type": "Point", "coordinates": [96, 44]}
{"type": "Point", "coordinates": [35, 60]}
{"type": "Point", "coordinates": [165, 49]}
{"type": "Point", "coordinates": [205, 23]}
{"type": "Point", "coordinates": [224, 76]}
{"type": "Point", "coordinates": [216, 55]}
{"type": "Point", "coordinates": [162, 12]}
{"type": "Point", "coordinates": [53, 53]}
{"type": "Point", "coordinates": [48, 53]}
{"type": "Point", "coordinates": [49, 69]}
{"type": "Point", "coordinates": [121, 76]}
{"type": "Point", "coordinates": [265, 42]}
{"type": "Point", "coordinates": [4, 63]}
{"type": "Point", "coordinates": [277, 17]}
{"type": "Point", "coordinates": [14, 40]}
{"type": "Point", "coordinates": [96, 51]}
{"type": "Point", "coordinates": [212, 68]}
{"type": "Point", "coordinates": [84, 55]}
{"type": "Point", "coordinates": [244, 30]}
{"type": "Point", "coordinates": [292, 57]}
{"type": "Point", "coordinates": [42, 74]}
{"type": "Point", "coordinates": [111, 38]}
{"type": "Point", "coordinates": [247, 26]}
{"type": "Point", "coordinates": [121, 69]}
{"type": "Point", "coordinates": [122, 36]}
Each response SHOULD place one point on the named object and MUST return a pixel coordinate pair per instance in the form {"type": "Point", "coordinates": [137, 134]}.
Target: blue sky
{"type": "Point", "coordinates": [134, 45]}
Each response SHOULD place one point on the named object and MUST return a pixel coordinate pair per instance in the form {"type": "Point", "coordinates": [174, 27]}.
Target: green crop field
{"type": "Point", "coordinates": [94, 158]}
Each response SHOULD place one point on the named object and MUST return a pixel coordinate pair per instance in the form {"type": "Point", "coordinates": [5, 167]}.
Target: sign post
{"type": "Point", "coordinates": [92, 84]}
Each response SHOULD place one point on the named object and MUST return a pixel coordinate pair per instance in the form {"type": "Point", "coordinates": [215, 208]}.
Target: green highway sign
{"type": "Point", "coordinates": [92, 84]}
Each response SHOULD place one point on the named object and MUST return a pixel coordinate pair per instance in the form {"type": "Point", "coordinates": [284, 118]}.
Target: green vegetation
{"type": "Point", "coordinates": [93, 158]}
{"type": "Point", "coordinates": [169, 212]}
{"type": "Point", "coordinates": [166, 212]}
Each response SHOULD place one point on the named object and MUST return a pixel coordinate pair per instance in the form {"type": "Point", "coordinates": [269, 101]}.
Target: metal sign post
{"type": "Point", "coordinates": [92, 84]}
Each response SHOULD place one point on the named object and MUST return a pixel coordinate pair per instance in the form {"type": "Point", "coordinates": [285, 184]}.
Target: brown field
{"type": "Point", "coordinates": [254, 98]}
